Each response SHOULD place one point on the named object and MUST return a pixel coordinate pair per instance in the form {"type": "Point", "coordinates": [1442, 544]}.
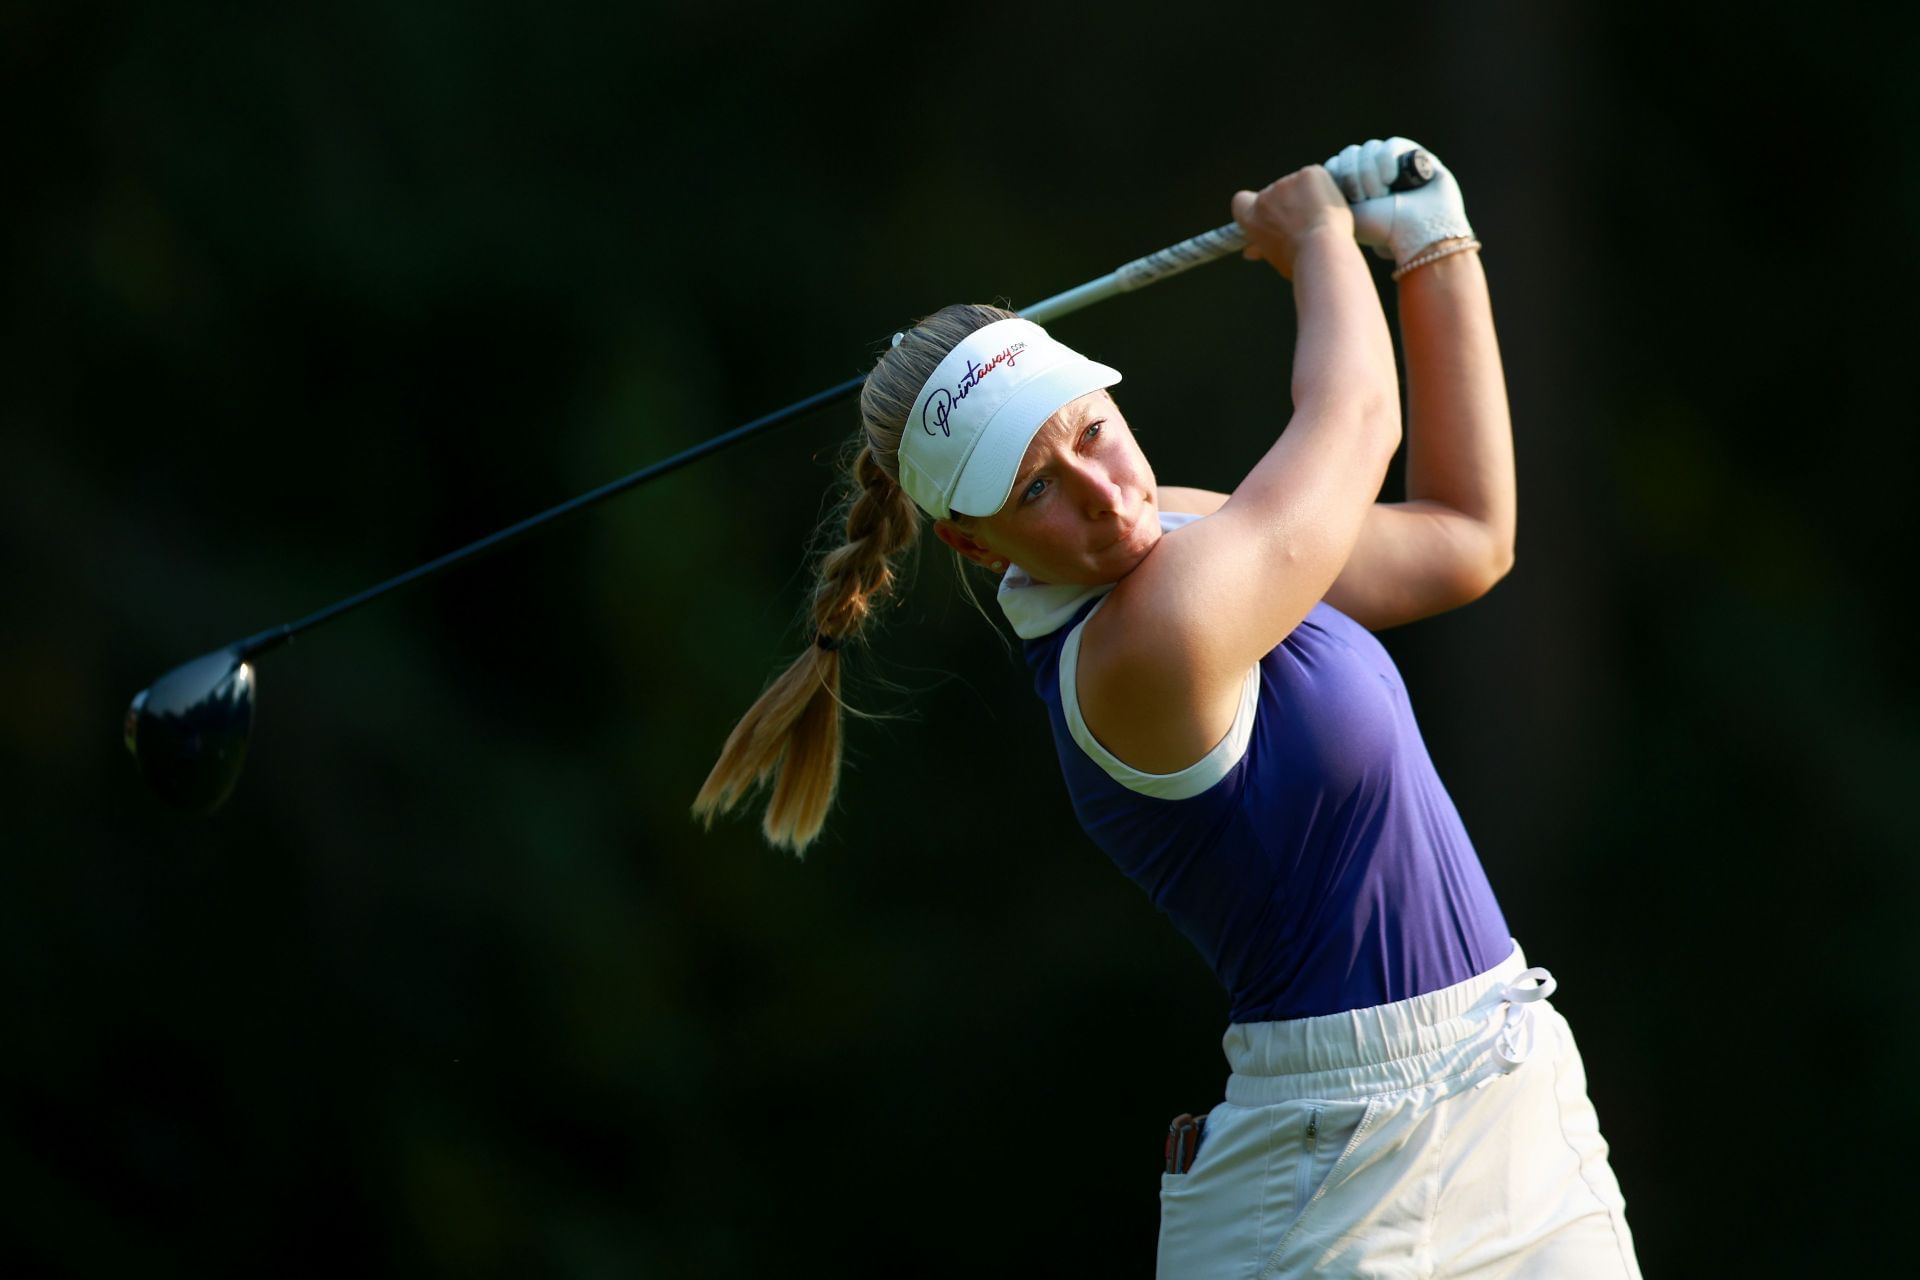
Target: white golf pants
{"type": "Point", "coordinates": [1448, 1135]}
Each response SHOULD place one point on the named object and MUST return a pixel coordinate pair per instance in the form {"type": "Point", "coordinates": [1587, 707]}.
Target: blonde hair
{"type": "Point", "coordinates": [792, 733]}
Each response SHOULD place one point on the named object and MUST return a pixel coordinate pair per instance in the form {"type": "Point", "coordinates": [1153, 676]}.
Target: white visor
{"type": "Point", "coordinates": [972, 423]}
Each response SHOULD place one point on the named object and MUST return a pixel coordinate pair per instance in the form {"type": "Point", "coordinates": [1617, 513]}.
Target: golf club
{"type": "Point", "coordinates": [189, 730]}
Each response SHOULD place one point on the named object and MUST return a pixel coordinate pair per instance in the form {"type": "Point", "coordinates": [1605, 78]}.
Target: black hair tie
{"type": "Point", "coordinates": [827, 642]}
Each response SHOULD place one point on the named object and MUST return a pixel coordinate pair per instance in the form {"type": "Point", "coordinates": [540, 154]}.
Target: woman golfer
{"type": "Point", "coordinates": [1403, 1100]}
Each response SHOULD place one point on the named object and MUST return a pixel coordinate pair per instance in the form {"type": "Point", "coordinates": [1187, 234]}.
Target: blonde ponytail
{"type": "Point", "coordinates": [792, 733]}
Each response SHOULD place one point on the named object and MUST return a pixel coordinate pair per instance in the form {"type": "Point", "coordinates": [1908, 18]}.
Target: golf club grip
{"type": "Point", "coordinates": [1416, 170]}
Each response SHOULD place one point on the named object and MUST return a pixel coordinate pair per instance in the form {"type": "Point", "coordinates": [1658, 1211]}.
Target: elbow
{"type": "Point", "coordinates": [1479, 571]}
{"type": "Point", "coordinates": [1375, 402]}
{"type": "Point", "coordinates": [1382, 414]}
{"type": "Point", "coordinates": [1368, 407]}
{"type": "Point", "coordinates": [1502, 562]}
{"type": "Point", "coordinates": [1497, 565]}
{"type": "Point", "coordinates": [1374, 417]}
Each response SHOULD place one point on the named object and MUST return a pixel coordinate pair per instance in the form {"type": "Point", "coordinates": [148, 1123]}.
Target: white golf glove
{"type": "Point", "coordinates": [1397, 225]}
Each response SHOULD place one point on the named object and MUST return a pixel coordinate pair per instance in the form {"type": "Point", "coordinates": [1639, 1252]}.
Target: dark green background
{"type": "Point", "coordinates": [296, 300]}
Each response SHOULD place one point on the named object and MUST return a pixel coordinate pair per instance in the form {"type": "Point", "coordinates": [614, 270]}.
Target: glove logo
{"type": "Point", "coordinates": [940, 404]}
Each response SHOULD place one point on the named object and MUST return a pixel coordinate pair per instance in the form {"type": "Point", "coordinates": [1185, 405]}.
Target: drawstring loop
{"type": "Point", "coordinates": [1517, 1034]}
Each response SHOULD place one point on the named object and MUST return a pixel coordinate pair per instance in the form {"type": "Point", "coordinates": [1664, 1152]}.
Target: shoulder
{"type": "Point", "coordinates": [1141, 746]}
{"type": "Point", "coordinates": [1142, 673]}
{"type": "Point", "coordinates": [1158, 716]}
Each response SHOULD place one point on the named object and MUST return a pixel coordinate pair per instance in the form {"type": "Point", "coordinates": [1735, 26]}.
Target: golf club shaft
{"type": "Point", "coordinates": [1208, 246]}
{"type": "Point", "coordinates": [273, 637]}
{"type": "Point", "coordinates": [1415, 170]}
{"type": "Point", "coordinates": [1155, 267]}
{"type": "Point", "coordinates": [1143, 271]}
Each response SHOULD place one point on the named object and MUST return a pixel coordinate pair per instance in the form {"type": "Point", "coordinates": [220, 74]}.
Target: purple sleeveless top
{"type": "Point", "coordinates": [1326, 868]}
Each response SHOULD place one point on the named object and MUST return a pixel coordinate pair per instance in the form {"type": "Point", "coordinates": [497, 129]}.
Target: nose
{"type": "Point", "coordinates": [1100, 493]}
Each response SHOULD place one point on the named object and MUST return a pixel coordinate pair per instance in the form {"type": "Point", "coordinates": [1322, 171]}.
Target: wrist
{"type": "Point", "coordinates": [1323, 242]}
{"type": "Point", "coordinates": [1327, 232]}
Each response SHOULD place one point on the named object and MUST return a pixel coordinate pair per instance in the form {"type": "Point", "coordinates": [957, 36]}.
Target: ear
{"type": "Point", "coordinates": [957, 538]}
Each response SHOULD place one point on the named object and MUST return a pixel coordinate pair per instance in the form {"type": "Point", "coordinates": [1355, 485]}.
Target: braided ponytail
{"type": "Point", "coordinates": [792, 733]}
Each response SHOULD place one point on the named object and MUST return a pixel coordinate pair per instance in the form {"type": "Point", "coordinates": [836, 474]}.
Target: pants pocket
{"type": "Point", "coordinates": [1259, 1172]}
{"type": "Point", "coordinates": [1317, 1148]}
{"type": "Point", "coordinates": [1208, 1214]}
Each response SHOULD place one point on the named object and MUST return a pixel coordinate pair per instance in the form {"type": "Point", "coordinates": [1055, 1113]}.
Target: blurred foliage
{"type": "Point", "coordinates": [299, 298]}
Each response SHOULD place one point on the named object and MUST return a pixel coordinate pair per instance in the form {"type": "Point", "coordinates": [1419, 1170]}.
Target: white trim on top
{"type": "Point", "coordinates": [1197, 777]}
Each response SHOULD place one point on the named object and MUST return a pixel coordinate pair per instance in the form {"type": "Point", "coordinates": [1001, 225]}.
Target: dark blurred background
{"type": "Point", "coordinates": [299, 297]}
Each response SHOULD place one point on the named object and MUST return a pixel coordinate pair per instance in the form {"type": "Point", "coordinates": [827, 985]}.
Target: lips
{"type": "Point", "coordinates": [1126, 535]}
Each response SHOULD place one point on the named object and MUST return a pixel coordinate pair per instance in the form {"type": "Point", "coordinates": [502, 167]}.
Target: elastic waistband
{"type": "Point", "coordinates": [1444, 1033]}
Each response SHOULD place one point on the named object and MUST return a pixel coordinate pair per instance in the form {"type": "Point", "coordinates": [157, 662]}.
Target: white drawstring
{"type": "Point", "coordinates": [1515, 1041]}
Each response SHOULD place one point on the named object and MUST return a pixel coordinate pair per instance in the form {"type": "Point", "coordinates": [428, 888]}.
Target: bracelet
{"type": "Point", "coordinates": [1433, 253]}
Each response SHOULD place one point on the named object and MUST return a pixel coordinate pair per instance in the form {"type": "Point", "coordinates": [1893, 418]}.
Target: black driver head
{"type": "Point", "coordinates": [189, 730]}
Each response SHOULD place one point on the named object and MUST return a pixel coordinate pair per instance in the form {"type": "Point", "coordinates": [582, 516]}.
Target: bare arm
{"type": "Point", "coordinates": [1162, 663]}
{"type": "Point", "coordinates": [1454, 536]}
{"type": "Point", "coordinates": [1199, 502]}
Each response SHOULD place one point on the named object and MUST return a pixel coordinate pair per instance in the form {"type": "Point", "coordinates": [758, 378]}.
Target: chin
{"type": "Point", "coordinates": [1132, 551]}
{"type": "Point", "coordinates": [1146, 531]}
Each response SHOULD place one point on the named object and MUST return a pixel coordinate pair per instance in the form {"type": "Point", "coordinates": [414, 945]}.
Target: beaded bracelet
{"type": "Point", "coordinates": [1434, 253]}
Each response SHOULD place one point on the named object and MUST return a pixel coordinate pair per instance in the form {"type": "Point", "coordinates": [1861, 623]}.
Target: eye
{"type": "Point", "coordinates": [1039, 485]}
